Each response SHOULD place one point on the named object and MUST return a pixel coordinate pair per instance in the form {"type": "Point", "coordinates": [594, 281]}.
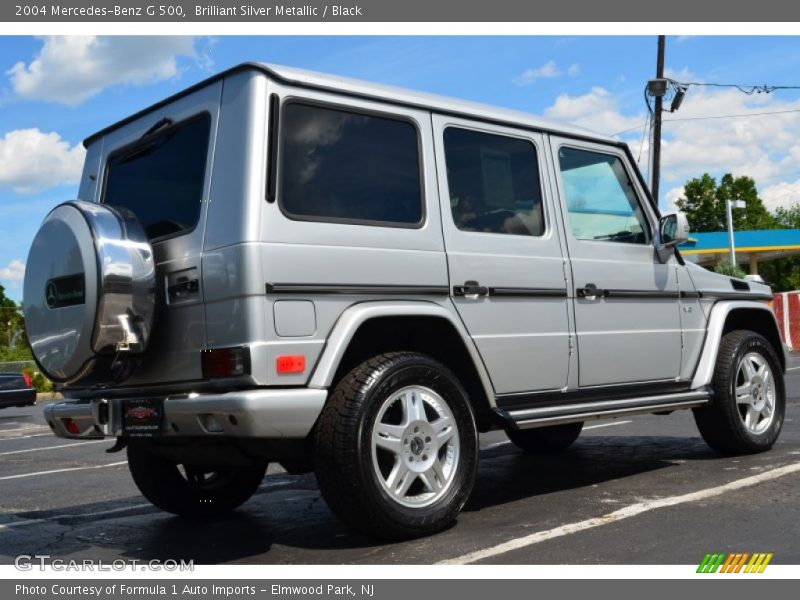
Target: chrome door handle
{"type": "Point", "coordinates": [590, 290]}
{"type": "Point", "coordinates": [471, 289]}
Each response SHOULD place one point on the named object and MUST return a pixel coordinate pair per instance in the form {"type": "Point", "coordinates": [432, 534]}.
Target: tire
{"type": "Point", "coordinates": [546, 439]}
{"type": "Point", "coordinates": [396, 448]}
{"type": "Point", "coordinates": [753, 423]}
{"type": "Point", "coordinates": [191, 491]}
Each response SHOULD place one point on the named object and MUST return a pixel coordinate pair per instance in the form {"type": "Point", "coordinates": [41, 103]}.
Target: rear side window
{"type": "Point", "coordinates": [160, 177]}
{"type": "Point", "coordinates": [493, 182]}
{"type": "Point", "coordinates": [349, 167]}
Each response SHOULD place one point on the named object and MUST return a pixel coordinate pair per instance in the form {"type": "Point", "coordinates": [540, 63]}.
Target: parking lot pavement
{"type": "Point", "coordinates": [643, 490]}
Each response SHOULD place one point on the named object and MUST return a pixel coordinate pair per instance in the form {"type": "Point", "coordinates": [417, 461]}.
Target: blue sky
{"type": "Point", "coordinates": [56, 91]}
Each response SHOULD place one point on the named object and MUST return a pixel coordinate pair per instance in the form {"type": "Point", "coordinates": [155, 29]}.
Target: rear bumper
{"type": "Point", "coordinates": [285, 413]}
{"type": "Point", "coordinates": [17, 397]}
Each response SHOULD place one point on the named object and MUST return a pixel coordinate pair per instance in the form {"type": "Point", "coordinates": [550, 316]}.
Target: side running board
{"type": "Point", "coordinates": [527, 418]}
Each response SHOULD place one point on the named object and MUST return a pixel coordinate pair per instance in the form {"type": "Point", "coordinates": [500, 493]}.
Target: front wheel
{"type": "Point", "coordinates": [191, 490]}
{"type": "Point", "coordinates": [397, 447]}
{"type": "Point", "coordinates": [746, 414]}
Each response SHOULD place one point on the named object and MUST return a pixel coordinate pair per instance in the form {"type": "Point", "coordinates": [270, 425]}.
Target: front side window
{"type": "Point", "coordinates": [493, 182]}
{"type": "Point", "coordinates": [160, 177]}
{"type": "Point", "coordinates": [342, 166]}
{"type": "Point", "coordinates": [600, 197]}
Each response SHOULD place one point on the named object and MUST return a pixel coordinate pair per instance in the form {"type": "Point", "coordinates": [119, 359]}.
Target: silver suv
{"type": "Point", "coordinates": [278, 265]}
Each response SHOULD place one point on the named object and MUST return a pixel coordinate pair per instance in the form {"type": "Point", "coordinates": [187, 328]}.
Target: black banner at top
{"type": "Point", "coordinates": [142, 11]}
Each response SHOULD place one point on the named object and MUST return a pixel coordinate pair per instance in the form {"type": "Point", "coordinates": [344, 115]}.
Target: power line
{"type": "Point", "coordinates": [745, 89]}
{"type": "Point", "coordinates": [734, 116]}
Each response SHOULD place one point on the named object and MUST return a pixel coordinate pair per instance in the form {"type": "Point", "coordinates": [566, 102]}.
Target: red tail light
{"type": "Point", "coordinates": [225, 362]}
{"type": "Point", "coordinates": [72, 426]}
{"type": "Point", "coordinates": [27, 378]}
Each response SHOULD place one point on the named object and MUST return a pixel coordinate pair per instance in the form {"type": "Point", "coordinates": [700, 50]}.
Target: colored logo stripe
{"type": "Point", "coordinates": [735, 562]}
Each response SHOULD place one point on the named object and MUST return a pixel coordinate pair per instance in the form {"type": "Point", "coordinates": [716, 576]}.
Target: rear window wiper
{"type": "Point", "coordinates": [144, 148]}
{"type": "Point", "coordinates": [158, 125]}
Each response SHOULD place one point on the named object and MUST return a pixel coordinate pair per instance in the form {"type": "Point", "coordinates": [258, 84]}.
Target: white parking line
{"type": "Point", "coordinates": [51, 447]}
{"type": "Point", "coordinates": [29, 428]}
{"type": "Point", "coordinates": [24, 437]}
{"type": "Point", "coordinates": [19, 522]}
{"type": "Point", "coordinates": [21, 475]}
{"type": "Point", "coordinates": [792, 368]}
{"type": "Point", "coordinates": [623, 513]}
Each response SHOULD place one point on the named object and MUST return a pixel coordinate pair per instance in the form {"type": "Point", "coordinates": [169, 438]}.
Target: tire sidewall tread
{"type": "Point", "coordinates": [344, 453]}
{"type": "Point", "coordinates": [720, 423]}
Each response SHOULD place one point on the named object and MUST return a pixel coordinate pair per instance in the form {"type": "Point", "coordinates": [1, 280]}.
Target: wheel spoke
{"type": "Point", "coordinates": [413, 407]}
{"type": "Point", "coordinates": [743, 394]}
{"type": "Point", "coordinates": [769, 406]}
{"type": "Point", "coordinates": [751, 420]}
{"type": "Point", "coordinates": [749, 371]}
{"type": "Point", "coordinates": [438, 470]}
{"type": "Point", "coordinates": [444, 430]}
{"type": "Point", "coordinates": [400, 479]}
{"type": "Point", "coordinates": [388, 437]}
{"type": "Point", "coordinates": [431, 478]}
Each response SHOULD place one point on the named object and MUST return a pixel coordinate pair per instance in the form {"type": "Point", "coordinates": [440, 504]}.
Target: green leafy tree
{"type": "Point", "coordinates": [12, 329]}
{"type": "Point", "coordinates": [704, 204]}
{"type": "Point", "coordinates": [784, 273]}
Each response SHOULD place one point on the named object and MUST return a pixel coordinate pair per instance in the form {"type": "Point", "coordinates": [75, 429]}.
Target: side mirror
{"type": "Point", "coordinates": [673, 230]}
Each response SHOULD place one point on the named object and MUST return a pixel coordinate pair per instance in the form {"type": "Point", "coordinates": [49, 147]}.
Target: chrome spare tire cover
{"type": "Point", "coordinates": [89, 293]}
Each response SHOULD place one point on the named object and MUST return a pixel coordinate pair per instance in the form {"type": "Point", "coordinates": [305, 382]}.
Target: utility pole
{"type": "Point", "coordinates": [656, 150]}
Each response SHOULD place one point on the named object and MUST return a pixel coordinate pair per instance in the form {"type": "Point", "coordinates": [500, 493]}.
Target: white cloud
{"type": "Point", "coordinates": [781, 195]}
{"type": "Point", "coordinates": [596, 110]}
{"type": "Point", "coordinates": [70, 69]}
{"type": "Point", "coordinates": [669, 198]}
{"type": "Point", "coordinates": [549, 70]}
{"type": "Point", "coordinates": [13, 273]}
{"type": "Point", "coordinates": [32, 161]}
{"type": "Point", "coordinates": [765, 147]}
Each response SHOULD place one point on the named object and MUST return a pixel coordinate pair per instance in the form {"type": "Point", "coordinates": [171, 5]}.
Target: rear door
{"type": "Point", "coordinates": [159, 166]}
{"type": "Point", "coordinates": [626, 302]}
{"type": "Point", "coordinates": [504, 255]}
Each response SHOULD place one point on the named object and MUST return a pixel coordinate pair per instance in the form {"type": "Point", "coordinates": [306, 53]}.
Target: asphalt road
{"type": "Point", "coordinates": [639, 490]}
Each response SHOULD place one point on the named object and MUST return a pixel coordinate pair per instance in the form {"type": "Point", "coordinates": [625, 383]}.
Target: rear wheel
{"type": "Point", "coordinates": [191, 490]}
{"type": "Point", "coordinates": [546, 439]}
{"type": "Point", "coordinates": [746, 414]}
{"type": "Point", "coordinates": [396, 447]}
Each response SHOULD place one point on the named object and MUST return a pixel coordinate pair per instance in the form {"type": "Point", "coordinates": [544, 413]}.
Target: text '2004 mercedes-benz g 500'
{"type": "Point", "coordinates": [278, 265]}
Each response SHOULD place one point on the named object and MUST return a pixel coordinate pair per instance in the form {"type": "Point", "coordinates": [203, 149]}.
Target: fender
{"type": "Point", "coordinates": [352, 318]}
{"type": "Point", "coordinates": [716, 324]}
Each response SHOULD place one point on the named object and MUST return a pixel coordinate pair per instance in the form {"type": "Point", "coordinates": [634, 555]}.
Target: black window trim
{"type": "Point", "coordinates": [275, 162]}
{"type": "Point", "coordinates": [538, 154]}
{"type": "Point", "coordinates": [621, 156]}
{"type": "Point", "coordinates": [141, 140]}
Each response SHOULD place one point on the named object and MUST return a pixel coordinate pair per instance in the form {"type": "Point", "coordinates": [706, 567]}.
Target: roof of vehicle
{"type": "Point", "coordinates": [381, 92]}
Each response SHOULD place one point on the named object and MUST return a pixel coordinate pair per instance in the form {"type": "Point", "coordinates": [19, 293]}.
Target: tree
{"type": "Point", "coordinates": [12, 327]}
{"type": "Point", "coordinates": [704, 204]}
{"type": "Point", "coordinates": [784, 273]}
